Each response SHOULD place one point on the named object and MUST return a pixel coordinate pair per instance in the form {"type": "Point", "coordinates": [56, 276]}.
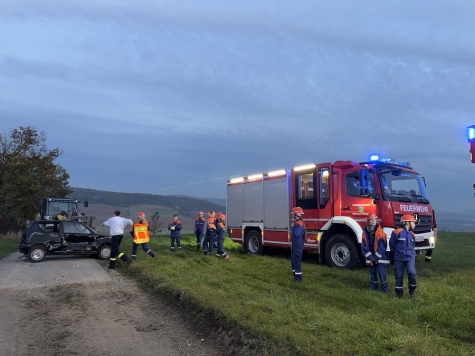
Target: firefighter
{"type": "Point", "coordinates": [428, 257]}
{"type": "Point", "coordinates": [220, 231]}
{"type": "Point", "coordinates": [117, 225]}
{"type": "Point", "coordinates": [141, 233]}
{"type": "Point", "coordinates": [175, 227]}
{"type": "Point", "coordinates": [210, 233]}
{"type": "Point", "coordinates": [199, 229]}
{"type": "Point", "coordinates": [298, 239]}
{"type": "Point", "coordinates": [402, 245]}
{"type": "Point", "coordinates": [374, 246]}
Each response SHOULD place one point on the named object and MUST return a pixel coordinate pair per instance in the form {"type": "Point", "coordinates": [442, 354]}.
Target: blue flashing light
{"type": "Point", "coordinates": [374, 158]}
{"type": "Point", "coordinates": [471, 133]}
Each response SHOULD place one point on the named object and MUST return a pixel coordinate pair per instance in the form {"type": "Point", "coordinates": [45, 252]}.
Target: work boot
{"type": "Point", "coordinates": [198, 246]}
{"type": "Point", "coordinates": [413, 295]}
{"type": "Point", "coordinates": [129, 260]}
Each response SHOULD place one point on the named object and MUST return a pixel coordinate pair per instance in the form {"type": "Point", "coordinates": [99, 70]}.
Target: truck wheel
{"type": "Point", "coordinates": [254, 242]}
{"type": "Point", "coordinates": [104, 252]}
{"type": "Point", "coordinates": [37, 254]}
{"type": "Point", "coordinates": [341, 252]}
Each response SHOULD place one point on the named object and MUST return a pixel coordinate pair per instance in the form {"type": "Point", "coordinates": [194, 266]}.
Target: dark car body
{"type": "Point", "coordinates": [62, 237]}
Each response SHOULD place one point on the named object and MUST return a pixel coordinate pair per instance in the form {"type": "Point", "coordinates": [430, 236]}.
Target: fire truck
{"type": "Point", "coordinates": [50, 208]}
{"type": "Point", "coordinates": [336, 198]}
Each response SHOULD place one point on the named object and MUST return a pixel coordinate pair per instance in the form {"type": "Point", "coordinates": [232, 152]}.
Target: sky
{"type": "Point", "coordinates": [176, 97]}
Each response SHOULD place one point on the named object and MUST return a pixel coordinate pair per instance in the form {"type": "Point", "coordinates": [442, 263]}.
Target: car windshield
{"type": "Point", "coordinates": [402, 186]}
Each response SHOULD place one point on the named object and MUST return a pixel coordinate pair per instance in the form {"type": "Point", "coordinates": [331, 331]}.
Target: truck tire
{"type": "Point", "coordinates": [254, 242]}
{"type": "Point", "coordinates": [341, 252]}
{"type": "Point", "coordinates": [37, 253]}
{"type": "Point", "coordinates": [104, 252]}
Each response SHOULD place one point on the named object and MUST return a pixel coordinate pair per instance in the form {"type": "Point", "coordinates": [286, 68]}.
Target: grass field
{"type": "Point", "coordinates": [331, 313]}
{"type": "Point", "coordinates": [8, 244]}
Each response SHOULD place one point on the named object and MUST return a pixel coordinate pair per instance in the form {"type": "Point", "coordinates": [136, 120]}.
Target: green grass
{"type": "Point", "coordinates": [8, 244]}
{"type": "Point", "coordinates": [332, 312]}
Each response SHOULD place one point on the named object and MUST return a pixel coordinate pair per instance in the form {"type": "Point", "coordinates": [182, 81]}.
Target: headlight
{"type": "Point", "coordinates": [432, 240]}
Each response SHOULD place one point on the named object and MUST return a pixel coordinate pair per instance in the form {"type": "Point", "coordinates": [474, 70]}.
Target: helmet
{"type": "Point", "coordinates": [200, 212]}
{"type": "Point", "coordinates": [221, 216]}
{"type": "Point", "coordinates": [408, 217]}
{"type": "Point", "coordinates": [141, 215]}
{"type": "Point", "coordinates": [297, 210]}
{"type": "Point", "coordinates": [371, 216]}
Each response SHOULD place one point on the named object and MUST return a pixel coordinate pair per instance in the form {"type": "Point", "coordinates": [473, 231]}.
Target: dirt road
{"type": "Point", "coordinates": [74, 306]}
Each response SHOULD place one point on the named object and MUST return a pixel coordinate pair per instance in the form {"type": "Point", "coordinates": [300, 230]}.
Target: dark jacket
{"type": "Point", "coordinates": [378, 250]}
{"type": "Point", "coordinates": [176, 232]}
{"type": "Point", "coordinates": [200, 225]}
{"type": "Point", "coordinates": [402, 245]}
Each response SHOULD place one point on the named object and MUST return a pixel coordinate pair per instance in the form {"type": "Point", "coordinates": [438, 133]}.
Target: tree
{"type": "Point", "coordinates": [27, 172]}
{"type": "Point", "coordinates": [154, 224]}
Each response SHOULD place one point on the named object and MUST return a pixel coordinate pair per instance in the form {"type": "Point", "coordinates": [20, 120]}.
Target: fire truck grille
{"type": "Point", "coordinates": [425, 223]}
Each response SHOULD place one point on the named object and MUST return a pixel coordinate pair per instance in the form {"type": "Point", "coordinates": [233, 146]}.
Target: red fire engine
{"type": "Point", "coordinates": [335, 197]}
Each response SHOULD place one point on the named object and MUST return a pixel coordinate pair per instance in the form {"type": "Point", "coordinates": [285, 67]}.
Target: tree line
{"type": "Point", "coordinates": [183, 205]}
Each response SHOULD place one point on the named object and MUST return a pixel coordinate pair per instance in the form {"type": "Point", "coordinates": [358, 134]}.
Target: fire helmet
{"type": "Point", "coordinates": [221, 216]}
{"type": "Point", "coordinates": [371, 216]}
{"type": "Point", "coordinates": [141, 215]}
{"type": "Point", "coordinates": [297, 210]}
{"type": "Point", "coordinates": [408, 217]}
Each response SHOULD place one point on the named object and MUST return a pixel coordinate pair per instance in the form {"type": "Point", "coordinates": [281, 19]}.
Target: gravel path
{"type": "Point", "coordinates": [74, 306]}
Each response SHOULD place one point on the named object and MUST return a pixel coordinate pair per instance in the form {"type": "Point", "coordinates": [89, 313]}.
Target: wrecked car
{"type": "Point", "coordinates": [59, 237]}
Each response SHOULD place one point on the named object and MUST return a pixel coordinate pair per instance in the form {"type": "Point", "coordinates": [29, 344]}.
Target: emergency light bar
{"type": "Point", "coordinates": [471, 133]}
{"type": "Point", "coordinates": [471, 141]}
{"type": "Point", "coordinates": [376, 159]}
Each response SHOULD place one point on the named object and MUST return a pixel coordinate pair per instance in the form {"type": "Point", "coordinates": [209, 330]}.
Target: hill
{"type": "Point", "coordinates": [186, 206]}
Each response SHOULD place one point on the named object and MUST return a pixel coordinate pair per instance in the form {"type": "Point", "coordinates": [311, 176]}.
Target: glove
{"type": "Point", "coordinates": [172, 227]}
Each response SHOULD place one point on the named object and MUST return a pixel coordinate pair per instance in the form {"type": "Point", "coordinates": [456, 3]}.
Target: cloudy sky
{"type": "Point", "coordinates": [176, 97]}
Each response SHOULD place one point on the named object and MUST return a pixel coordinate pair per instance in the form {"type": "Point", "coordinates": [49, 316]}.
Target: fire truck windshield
{"type": "Point", "coordinates": [403, 186]}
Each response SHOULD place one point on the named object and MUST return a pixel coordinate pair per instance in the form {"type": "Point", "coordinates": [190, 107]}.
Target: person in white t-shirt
{"type": "Point", "coordinates": [117, 225]}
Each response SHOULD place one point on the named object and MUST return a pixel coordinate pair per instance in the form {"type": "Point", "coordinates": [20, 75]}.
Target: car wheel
{"type": "Point", "coordinates": [254, 242]}
{"type": "Point", "coordinates": [37, 254]}
{"type": "Point", "coordinates": [104, 252]}
{"type": "Point", "coordinates": [341, 252]}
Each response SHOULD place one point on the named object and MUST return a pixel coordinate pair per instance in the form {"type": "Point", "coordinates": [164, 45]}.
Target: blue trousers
{"type": "Point", "coordinates": [297, 250]}
{"type": "Point", "coordinates": [208, 242]}
{"type": "Point", "coordinates": [221, 245]}
{"type": "Point", "coordinates": [410, 267]}
{"type": "Point", "coordinates": [374, 270]}
{"type": "Point", "coordinates": [172, 242]}
{"type": "Point", "coordinates": [199, 237]}
{"type": "Point", "coordinates": [145, 247]}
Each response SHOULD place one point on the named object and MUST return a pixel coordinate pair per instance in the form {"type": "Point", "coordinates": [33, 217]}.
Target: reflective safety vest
{"type": "Point", "coordinates": [141, 234]}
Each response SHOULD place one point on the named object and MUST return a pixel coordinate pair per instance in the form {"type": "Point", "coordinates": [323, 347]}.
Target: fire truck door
{"type": "Point", "coordinates": [356, 203]}
{"type": "Point", "coordinates": [324, 187]}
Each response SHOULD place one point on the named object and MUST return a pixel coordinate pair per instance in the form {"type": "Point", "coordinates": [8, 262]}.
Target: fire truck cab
{"type": "Point", "coordinates": [336, 198]}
